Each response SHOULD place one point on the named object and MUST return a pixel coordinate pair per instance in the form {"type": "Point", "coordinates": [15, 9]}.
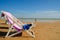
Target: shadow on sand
{"type": "Point", "coordinates": [2, 34]}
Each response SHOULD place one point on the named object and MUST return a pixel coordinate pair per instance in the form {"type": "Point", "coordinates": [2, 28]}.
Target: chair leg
{"type": "Point", "coordinates": [30, 33]}
{"type": "Point", "coordinates": [9, 31]}
{"type": "Point", "coordinates": [15, 33]}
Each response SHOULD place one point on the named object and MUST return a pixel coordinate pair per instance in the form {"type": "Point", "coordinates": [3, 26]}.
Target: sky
{"type": "Point", "coordinates": [32, 8]}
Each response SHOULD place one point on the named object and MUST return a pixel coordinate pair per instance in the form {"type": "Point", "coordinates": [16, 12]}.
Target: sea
{"type": "Point", "coordinates": [39, 19]}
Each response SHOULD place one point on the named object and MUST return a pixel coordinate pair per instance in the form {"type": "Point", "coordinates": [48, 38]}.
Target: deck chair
{"type": "Point", "coordinates": [15, 24]}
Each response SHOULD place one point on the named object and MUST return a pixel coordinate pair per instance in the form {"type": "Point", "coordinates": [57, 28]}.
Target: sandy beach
{"type": "Point", "coordinates": [42, 30]}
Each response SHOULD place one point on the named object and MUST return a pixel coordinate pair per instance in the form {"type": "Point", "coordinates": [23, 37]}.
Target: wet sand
{"type": "Point", "coordinates": [42, 30]}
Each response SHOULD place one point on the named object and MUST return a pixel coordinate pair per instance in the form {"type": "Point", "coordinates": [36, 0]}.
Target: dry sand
{"type": "Point", "coordinates": [43, 31]}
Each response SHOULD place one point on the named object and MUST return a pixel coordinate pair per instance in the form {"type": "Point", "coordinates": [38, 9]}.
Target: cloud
{"type": "Point", "coordinates": [47, 14]}
{"type": "Point", "coordinates": [37, 14]}
{"type": "Point", "coordinates": [23, 13]}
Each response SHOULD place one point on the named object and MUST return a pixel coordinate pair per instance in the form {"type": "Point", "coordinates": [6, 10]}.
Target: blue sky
{"type": "Point", "coordinates": [32, 8]}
